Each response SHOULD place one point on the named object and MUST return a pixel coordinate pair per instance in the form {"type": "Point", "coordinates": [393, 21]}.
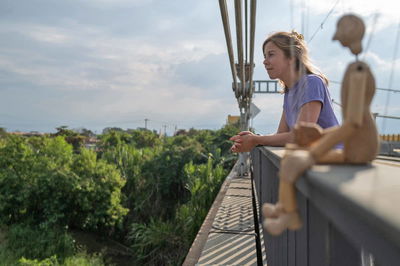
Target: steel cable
{"type": "Point", "coordinates": [253, 9]}
{"type": "Point", "coordinates": [239, 39]}
{"type": "Point", "coordinates": [396, 46]}
{"type": "Point", "coordinates": [228, 39]}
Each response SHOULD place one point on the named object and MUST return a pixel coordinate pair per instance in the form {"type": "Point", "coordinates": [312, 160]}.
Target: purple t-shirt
{"type": "Point", "coordinates": [309, 88]}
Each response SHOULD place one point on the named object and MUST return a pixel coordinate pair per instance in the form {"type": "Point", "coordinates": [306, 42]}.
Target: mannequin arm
{"type": "Point", "coordinates": [356, 97]}
{"type": "Point", "coordinates": [308, 133]}
{"type": "Point", "coordinates": [329, 130]}
{"type": "Point", "coordinates": [328, 141]}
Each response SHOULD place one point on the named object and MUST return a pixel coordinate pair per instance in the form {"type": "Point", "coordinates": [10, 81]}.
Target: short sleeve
{"type": "Point", "coordinates": [314, 90]}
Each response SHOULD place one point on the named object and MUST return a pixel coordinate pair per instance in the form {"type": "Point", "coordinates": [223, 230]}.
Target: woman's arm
{"type": "Point", "coordinates": [245, 141]}
{"type": "Point", "coordinates": [283, 126]}
{"type": "Point", "coordinates": [280, 138]}
{"type": "Point", "coordinates": [309, 112]}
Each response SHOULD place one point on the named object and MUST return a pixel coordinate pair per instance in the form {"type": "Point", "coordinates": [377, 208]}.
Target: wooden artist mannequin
{"type": "Point", "coordinates": [358, 133]}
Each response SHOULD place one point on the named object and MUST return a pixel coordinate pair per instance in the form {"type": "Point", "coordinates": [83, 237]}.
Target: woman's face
{"type": "Point", "coordinates": [275, 62]}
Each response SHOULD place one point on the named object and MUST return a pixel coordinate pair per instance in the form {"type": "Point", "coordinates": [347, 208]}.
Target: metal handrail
{"type": "Point", "coordinates": [347, 210]}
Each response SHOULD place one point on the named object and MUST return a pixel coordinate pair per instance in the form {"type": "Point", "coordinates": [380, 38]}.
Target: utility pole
{"type": "Point", "coordinates": [145, 123]}
{"type": "Point", "coordinates": [165, 130]}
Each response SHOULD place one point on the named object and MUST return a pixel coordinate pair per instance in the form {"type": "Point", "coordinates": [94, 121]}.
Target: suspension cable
{"type": "Point", "coordinates": [337, 103]}
{"type": "Point", "coordinates": [225, 21]}
{"type": "Point", "coordinates": [291, 14]}
{"type": "Point", "coordinates": [323, 22]}
{"type": "Point", "coordinates": [243, 69]}
{"type": "Point", "coordinates": [383, 89]}
{"type": "Point", "coordinates": [375, 114]}
{"type": "Point", "coordinates": [245, 29]}
{"type": "Point", "coordinates": [374, 22]}
{"type": "Point", "coordinates": [396, 46]}
{"type": "Point", "coordinates": [253, 9]}
{"type": "Point", "coordinates": [239, 38]}
{"type": "Point", "coordinates": [388, 116]}
{"type": "Point", "coordinates": [302, 21]}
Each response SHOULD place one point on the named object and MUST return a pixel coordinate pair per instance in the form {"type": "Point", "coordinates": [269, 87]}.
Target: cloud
{"type": "Point", "coordinates": [387, 10]}
{"type": "Point", "coordinates": [85, 72]}
{"type": "Point", "coordinates": [93, 62]}
{"type": "Point", "coordinates": [113, 3]}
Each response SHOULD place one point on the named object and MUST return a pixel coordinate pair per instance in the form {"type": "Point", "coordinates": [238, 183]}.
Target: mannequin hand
{"type": "Point", "coordinates": [306, 133]}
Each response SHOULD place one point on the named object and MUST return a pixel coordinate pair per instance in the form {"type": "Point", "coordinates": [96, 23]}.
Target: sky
{"type": "Point", "coordinates": [114, 63]}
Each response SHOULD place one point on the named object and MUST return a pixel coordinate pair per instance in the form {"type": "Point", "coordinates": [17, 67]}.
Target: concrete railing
{"type": "Point", "coordinates": [390, 148]}
{"type": "Point", "coordinates": [351, 214]}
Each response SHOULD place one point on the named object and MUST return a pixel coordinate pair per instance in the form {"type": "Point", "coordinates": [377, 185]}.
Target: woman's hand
{"type": "Point", "coordinates": [244, 141]}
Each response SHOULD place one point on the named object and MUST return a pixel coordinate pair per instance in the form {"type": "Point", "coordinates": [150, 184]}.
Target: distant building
{"type": "Point", "coordinates": [91, 143]}
{"type": "Point", "coordinates": [27, 134]}
{"type": "Point", "coordinates": [232, 119]}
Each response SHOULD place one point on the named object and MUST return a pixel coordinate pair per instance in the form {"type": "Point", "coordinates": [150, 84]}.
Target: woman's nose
{"type": "Point", "coordinates": [265, 62]}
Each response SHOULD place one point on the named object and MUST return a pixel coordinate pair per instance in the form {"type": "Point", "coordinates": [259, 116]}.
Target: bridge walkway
{"type": "Point", "coordinates": [228, 235]}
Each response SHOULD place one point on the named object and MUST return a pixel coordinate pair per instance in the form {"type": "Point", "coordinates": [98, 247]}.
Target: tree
{"type": "Point", "coordinates": [71, 137]}
{"type": "Point", "coordinates": [145, 138]}
{"type": "Point", "coordinates": [3, 132]}
{"type": "Point", "coordinates": [85, 132]}
{"type": "Point", "coordinates": [42, 181]}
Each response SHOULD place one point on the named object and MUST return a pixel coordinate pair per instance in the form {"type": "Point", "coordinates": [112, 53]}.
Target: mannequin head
{"type": "Point", "coordinates": [350, 30]}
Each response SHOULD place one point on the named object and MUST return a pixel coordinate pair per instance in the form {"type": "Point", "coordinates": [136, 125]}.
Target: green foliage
{"type": "Point", "coordinates": [83, 259]}
{"type": "Point", "coordinates": [24, 244]}
{"type": "Point", "coordinates": [38, 242]}
{"type": "Point", "coordinates": [52, 261]}
{"type": "Point", "coordinates": [72, 137]}
{"type": "Point", "coordinates": [164, 180]}
{"type": "Point", "coordinates": [204, 182]}
{"type": "Point", "coordinates": [3, 132]}
{"type": "Point", "coordinates": [156, 243]}
{"type": "Point", "coordinates": [24, 169]}
{"type": "Point", "coordinates": [85, 132]}
{"type": "Point", "coordinates": [100, 184]}
{"type": "Point", "coordinates": [80, 259]}
{"type": "Point", "coordinates": [222, 137]}
{"type": "Point", "coordinates": [42, 181]}
{"type": "Point", "coordinates": [114, 138]}
{"type": "Point", "coordinates": [145, 138]}
{"type": "Point", "coordinates": [167, 242]}
{"type": "Point", "coordinates": [64, 131]}
{"type": "Point", "coordinates": [109, 129]}
{"type": "Point", "coordinates": [130, 161]}
{"type": "Point", "coordinates": [155, 191]}
{"type": "Point", "coordinates": [139, 138]}
{"type": "Point", "coordinates": [126, 158]}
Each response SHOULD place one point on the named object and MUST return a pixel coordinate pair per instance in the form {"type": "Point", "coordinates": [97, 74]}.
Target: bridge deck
{"type": "Point", "coordinates": [231, 235]}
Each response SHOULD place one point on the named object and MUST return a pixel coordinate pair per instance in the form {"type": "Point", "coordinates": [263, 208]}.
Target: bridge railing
{"type": "Point", "coordinates": [351, 214]}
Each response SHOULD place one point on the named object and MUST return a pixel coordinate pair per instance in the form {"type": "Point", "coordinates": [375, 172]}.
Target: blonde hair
{"type": "Point", "coordinates": [293, 45]}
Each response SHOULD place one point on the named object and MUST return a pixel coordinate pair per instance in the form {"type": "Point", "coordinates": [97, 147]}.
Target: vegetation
{"type": "Point", "coordinates": [135, 195]}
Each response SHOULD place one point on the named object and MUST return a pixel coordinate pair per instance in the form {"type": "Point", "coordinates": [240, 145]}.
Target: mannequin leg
{"type": "Point", "coordinates": [284, 214]}
{"type": "Point", "coordinates": [332, 157]}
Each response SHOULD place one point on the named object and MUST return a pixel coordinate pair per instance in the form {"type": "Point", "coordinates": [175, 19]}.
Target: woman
{"type": "Point", "coordinates": [306, 96]}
